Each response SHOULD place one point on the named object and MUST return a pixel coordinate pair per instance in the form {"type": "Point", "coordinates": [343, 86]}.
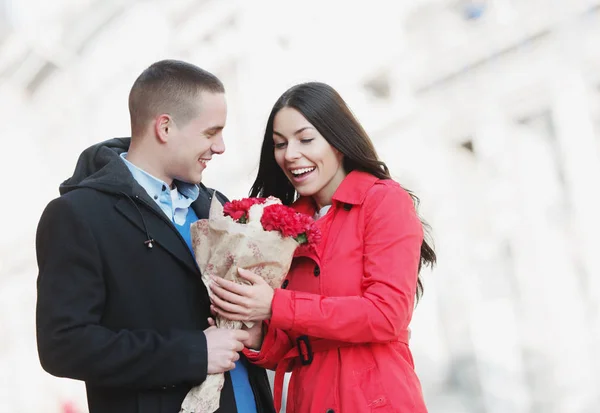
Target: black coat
{"type": "Point", "coordinates": [125, 318]}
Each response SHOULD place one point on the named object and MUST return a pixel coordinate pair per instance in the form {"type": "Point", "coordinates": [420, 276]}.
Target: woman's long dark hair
{"type": "Point", "coordinates": [325, 109]}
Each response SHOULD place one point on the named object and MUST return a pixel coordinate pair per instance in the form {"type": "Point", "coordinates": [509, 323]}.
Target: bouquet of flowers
{"type": "Point", "coordinates": [257, 234]}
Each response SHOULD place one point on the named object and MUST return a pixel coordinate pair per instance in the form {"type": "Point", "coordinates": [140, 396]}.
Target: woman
{"type": "Point", "coordinates": [339, 321]}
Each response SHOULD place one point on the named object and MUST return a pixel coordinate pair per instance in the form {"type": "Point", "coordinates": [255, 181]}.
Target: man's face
{"type": "Point", "coordinates": [193, 144]}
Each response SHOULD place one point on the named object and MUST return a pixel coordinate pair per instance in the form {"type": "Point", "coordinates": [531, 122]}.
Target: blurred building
{"type": "Point", "coordinates": [488, 109]}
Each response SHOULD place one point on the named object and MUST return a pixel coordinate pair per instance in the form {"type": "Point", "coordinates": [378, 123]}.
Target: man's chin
{"type": "Point", "coordinates": [192, 180]}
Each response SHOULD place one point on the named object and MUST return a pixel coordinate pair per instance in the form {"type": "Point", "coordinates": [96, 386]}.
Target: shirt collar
{"type": "Point", "coordinates": [155, 186]}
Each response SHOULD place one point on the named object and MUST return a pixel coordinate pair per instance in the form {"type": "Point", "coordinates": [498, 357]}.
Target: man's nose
{"type": "Point", "coordinates": [218, 145]}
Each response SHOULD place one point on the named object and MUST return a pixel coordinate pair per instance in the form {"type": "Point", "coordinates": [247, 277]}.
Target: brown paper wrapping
{"type": "Point", "coordinates": [221, 246]}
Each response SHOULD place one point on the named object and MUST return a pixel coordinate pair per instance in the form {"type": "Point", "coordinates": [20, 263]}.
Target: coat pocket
{"type": "Point", "coordinates": [369, 384]}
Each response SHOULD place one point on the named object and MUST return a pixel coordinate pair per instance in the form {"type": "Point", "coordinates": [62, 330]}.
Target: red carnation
{"type": "Point", "coordinates": [290, 223]}
{"type": "Point", "coordinates": [276, 217]}
{"type": "Point", "coordinates": [238, 209]}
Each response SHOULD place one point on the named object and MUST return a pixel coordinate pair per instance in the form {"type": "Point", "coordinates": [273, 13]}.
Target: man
{"type": "Point", "coordinates": [121, 304]}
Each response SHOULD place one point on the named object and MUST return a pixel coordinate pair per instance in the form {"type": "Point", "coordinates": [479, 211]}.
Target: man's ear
{"type": "Point", "coordinates": [163, 127]}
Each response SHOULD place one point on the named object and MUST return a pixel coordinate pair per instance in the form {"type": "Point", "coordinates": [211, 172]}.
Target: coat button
{"type": "Point", "coordinates": [285, 284]}
{"type": "Point", "coordinates": [317, 271]}
{"type": "Point", "coordinates": [329, 411]}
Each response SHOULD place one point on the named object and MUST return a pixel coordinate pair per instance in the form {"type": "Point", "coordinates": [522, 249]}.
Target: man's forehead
{"type": "Point", "coordinates": [208, 100]}
{"type": "Point", "coordinates": [212, 111]}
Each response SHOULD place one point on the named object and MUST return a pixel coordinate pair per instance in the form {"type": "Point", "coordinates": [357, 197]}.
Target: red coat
{"type": "Point", "coordinates": [351, 302]}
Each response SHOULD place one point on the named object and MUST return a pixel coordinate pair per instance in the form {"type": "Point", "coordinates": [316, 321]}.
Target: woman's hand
{"type": "Point", "coordinates": [256, 336]}
{"type": "Point", "coordinates": [242, 302]}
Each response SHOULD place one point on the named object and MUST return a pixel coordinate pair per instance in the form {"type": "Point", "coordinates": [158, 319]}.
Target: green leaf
{"type": "Point", "coordinates": [301, 239]}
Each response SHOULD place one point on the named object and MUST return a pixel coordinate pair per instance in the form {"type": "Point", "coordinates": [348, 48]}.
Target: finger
{"type": "Point", "coordinates": [241, 335]}
{"type": "Point", "coordinates": [250, 276]}
{"type": "Point", "coordinates": [236, 356]}
{"type": "Point", "coordinates": [232, 316]}
{"type": "Point", "coordinates": [228, 296]}
{"type": "Point", "coordinates": [238, 346]}
{"type": "Point", "coordinates": [213, 311]}
{"type": "Point", "coordinates": [231, 366]}
{"type": "Point", "coordinates": [222, 305]}
{"type": "Point", "coordinates": [211, 322]}
{"type": "Point", "coordinates": [235, 288]}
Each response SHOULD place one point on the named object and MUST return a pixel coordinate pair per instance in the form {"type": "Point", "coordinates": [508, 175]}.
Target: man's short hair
{"type": "Point", "coordinates": [171, 87]}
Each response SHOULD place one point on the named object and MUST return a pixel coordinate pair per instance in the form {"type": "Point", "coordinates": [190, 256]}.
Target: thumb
{"type": "Point", "coordinates": [241, 335]}
{"type": "Point", "coordinates": [250, 276]}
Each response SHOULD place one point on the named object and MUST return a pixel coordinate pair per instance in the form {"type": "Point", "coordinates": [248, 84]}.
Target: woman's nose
{"type": "Point", "coordinates": [291, 152]}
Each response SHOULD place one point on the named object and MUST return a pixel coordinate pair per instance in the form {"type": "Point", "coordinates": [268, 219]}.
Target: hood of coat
{"type": "Point", "coordinates": [101, 167]}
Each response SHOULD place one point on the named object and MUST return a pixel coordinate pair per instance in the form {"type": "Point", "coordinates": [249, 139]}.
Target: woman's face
{"type": "Point", "coordinates": [311, 164]}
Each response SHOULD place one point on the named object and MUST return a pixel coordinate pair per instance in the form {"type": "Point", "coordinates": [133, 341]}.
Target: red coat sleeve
{"type": "Point", "coordinates": [275, 345]}
{"type": "Point", "coordinates": [392, 243]}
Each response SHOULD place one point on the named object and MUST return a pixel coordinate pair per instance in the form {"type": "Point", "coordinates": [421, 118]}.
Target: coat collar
{"type": "Point", "coordinates": [353, 190]}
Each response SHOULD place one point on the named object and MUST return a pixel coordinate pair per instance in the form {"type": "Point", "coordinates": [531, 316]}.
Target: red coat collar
{"type": "Point", "coordinates": [352, 190]}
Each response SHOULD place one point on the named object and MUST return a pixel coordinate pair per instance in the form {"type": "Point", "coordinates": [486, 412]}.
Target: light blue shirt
{"type": "Point", "coordinates": [173, 202]}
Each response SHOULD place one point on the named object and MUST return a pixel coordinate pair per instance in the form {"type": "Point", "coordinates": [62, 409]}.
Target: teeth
{"type": "Point", "coordinates": [301, 171]}
{"type": "Point", "coordinates": [203, 161]}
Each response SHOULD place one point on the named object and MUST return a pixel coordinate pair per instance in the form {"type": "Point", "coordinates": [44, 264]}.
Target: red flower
{"type": "Point", "coordinates": [290, 223]}
{"type": "Point", "coordinates": [276, 217]}
{"type": "Point", "coordinates": [238, 209]}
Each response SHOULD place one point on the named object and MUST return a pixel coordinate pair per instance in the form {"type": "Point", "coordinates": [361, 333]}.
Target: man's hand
{"type": "Point", "coordinates": [222, 346]}
{"type": "Point", "coordinates": [255, 332]}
